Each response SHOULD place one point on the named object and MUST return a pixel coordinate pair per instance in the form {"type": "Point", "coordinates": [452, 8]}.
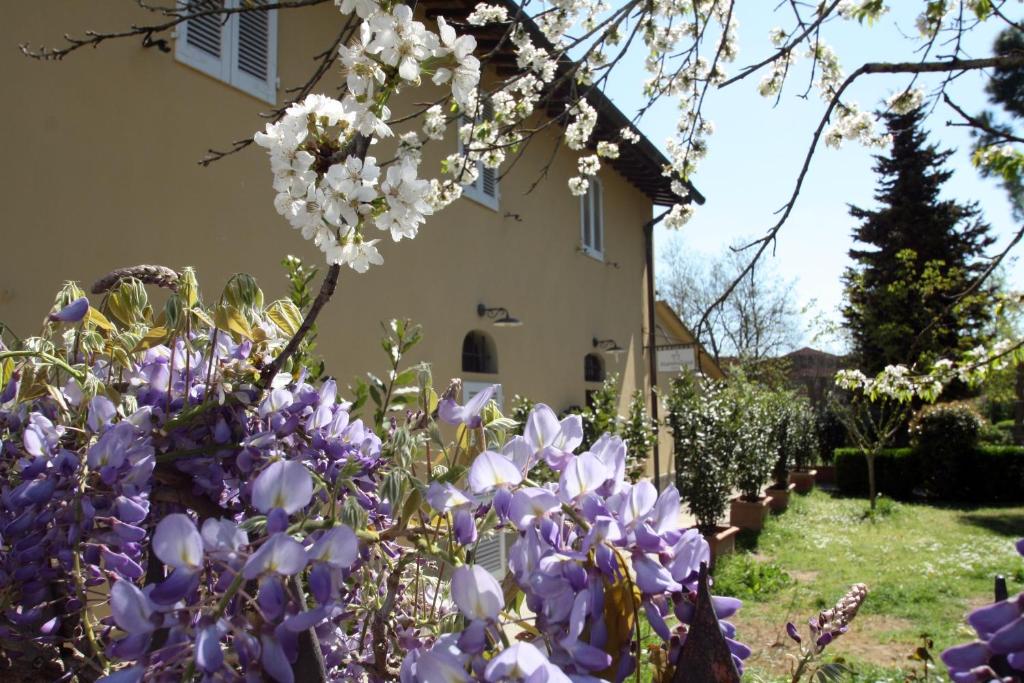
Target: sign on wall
{"type": "Point", "coordinates": [676, 358]}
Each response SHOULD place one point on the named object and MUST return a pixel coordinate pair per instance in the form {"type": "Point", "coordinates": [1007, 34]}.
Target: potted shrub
{"type": "Point", "coordinates": [704, 456]}
{"type": "Point", "coordinates": [755, 456]}
{"type": "Point", "coordinates": [802, 440]}
{"type": "Point", "coordinates": [777, 429]}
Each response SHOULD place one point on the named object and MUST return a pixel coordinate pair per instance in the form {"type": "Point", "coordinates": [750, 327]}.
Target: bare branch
{"type": "Point", "coordinates": [1013, 59]}
{"type": "Point", "coordinates": [94, 38]}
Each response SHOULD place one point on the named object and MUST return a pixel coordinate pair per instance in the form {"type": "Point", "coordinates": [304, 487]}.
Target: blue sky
{"type": "Point", "coordinates": [757, 150]}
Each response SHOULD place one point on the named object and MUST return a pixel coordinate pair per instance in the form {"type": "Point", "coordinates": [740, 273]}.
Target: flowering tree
{"type": "Point", "coordinates": [560, 57]}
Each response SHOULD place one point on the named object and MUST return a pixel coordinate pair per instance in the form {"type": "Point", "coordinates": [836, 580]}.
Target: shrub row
{"type": "Point", "coordinates": [983, 474]}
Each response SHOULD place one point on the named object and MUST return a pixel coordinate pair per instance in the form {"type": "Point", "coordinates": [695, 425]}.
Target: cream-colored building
{"type": "Point", "coordinates": [100, 171]}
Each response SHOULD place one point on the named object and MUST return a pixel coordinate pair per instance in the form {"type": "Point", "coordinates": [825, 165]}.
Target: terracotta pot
{"type": "Point", "coordinates": [722, 541]}
{"type": "Point", "coordinates": [749, 514]}
{"type": "Point", "coordinates": [826, 474]}
{"type": "Point", "coordinates": [780, 497]}
{"type": "Point", "coordinates": [804, 480]}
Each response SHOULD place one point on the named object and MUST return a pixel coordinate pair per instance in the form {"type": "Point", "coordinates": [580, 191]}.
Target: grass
{"type": "Point", "coordinates": [925, 567]}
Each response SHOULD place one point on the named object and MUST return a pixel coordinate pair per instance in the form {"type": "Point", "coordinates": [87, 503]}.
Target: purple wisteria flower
{"type": "Point", "coordinates": [236, 530]}
{"type": "Point", "coordinates": [451, 412]}
{"type": "Point", "coordinates": [73, 312]}
{"type": "Point", "coordinates": [999, 650]}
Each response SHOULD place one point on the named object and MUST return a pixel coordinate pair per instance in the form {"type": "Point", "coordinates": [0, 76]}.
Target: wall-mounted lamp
{"type": "Point", "coordinates": [499, 314]}
{"type": "Point", "coordinates": [608, 346]}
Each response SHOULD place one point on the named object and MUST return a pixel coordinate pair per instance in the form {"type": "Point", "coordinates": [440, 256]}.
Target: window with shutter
{"type": "Point", "coordinates": [239, 49]}
{"type": "Point", "coordinates": [592, 220]}
{"type": "Point", "coordinates": [485, 189]}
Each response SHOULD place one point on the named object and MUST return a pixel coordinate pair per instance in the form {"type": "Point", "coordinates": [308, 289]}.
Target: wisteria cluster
{"type": "Point", "coordinates": [998, 653]}
{"type": "Point", "coordinates": [166, 518]}
{"type": "Point", "coordinates": [824, 628]}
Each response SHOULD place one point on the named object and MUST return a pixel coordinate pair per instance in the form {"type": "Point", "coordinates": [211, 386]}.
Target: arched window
{"type": "Point", "coordinates": [479, 354]}
{"type": "Point", "coordinates": [593, 368]}
{"type": "Point", "coordinates": [592, 220]}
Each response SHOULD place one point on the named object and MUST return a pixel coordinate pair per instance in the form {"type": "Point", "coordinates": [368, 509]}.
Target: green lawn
{"type": "Point", "coordinates": [925, 567]}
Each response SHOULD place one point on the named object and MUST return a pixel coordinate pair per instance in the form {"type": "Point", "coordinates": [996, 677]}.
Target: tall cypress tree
{"type": "Point", "coordinates": [915, 254]}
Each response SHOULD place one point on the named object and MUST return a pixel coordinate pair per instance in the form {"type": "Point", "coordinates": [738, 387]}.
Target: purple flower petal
{"type": "Point", "coordinates": [306, 619]}
{"type": "Point", "coordinates": [491, 469]}
{"type": "Point", "coordinates": [338, 547]}
{"type": "Point", "coordinates": [131, 675]}
{"type": "Point", "coordinates": [792, 632]}
{"type": "Point", "coordinates": [440, 666]}
{"type": "Point", "coordinates": [1009, 638]}
{"type": "Point", "coordinates": [464, 527]}
{"type": "Point", "coordinates": [177, 542]}
{"type": "Point", "coordinates": [209, 656]}
{"type": "Point", "coordinates": [651, 577]}
{"type": "Point", "coordinates": [967, 656]}
{"type": "Point", "coordinates": [582, 474]}
{"type": "Point", "coordinates": [656, 620]}
{"type": "Point", "coordinates": [530, 503]}
{"type": "Point", "coordinates": [285, 484]}
{"type": "Point", "coordinates": [73, 312]}
{"type": "Point", "coordinates": [990, 618]}
{"type": "Point", "coordinates": [180, 583]}
{"type": "Point", "coordinates": [451, 412]}
{"type": "Point", "coordinates": [130, 608]}
{"type": "Point", "coordinates": [271, 597]}
{"type": "Point", "coordinates": [476, 593]}
{"type": "Point", "coordinates": [688, 554]}
{"type": "Point", "coordinates": [280, 553]}
{"type": "Point", "coordinates": [275, 662]}
{"type": "Point", "coordinates": [725, 607]}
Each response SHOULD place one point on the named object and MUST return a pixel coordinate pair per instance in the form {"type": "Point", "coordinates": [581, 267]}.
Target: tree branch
{"type": "Point", "coordinates": [944, 66]}
{"type": "Point", "coordinates": [94, 38]}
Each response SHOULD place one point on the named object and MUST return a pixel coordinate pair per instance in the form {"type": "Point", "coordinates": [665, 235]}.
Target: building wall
{"type": "Point", "coordinates": [100, 171]}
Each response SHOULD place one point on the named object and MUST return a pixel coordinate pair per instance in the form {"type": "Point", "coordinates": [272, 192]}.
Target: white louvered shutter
{"type": "Point", "coordinates": [488, 179]}
{"type": "Point", "coordinates": [485, 188]}
{"type": "Point", "coordinates": [492, 554]}
{"type": "Point", "coordinates": [239, 49]}
{"type": "Point", "coordinates": [254, 53]}
{"type": "Point", "coordinates": [204, 42]}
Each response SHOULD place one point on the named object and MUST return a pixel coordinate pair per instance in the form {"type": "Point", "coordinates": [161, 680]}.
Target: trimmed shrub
{"type": "Point", "coordinates": [801, 434]}
{"type": "Point", "coordinates": [638, 433]}
{"type": "Point", "coordinates": [896, 472]}
{"type": "Point", "coordinates": [994, 436]}
{"type": "Point", "coordinates": [831, 434]}
{"type": "Point", "coordinates": [943, 434]}
{"type": "Point", "coordinates": [983, 474]}
{"type": "Point", "coordinates": [751, 421]}
{"type": "Point", "coordinates": [704, 451]}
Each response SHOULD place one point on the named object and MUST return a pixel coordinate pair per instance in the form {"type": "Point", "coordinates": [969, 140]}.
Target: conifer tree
{"type": "Point", "coordinates": [916, 254]}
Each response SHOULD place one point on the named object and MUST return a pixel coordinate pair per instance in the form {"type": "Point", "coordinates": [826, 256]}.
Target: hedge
{"type": "Point", "coordinates": [896, 472]}
{"type": "Point", "coordinates": [984, 474]}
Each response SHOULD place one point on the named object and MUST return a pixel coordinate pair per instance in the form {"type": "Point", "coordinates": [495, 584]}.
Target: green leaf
{"type": "Point", "coordinates": [96, 318]}
{"type": "Point", "coordinates": [228, 317]}
{"type": "Point", "coordinates": [286, 315]}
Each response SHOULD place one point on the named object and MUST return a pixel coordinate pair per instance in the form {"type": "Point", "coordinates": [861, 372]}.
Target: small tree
{"type": "Point", "coordinates": [873, 412]}
{"type": "Point", "coordinates": [639, 433]}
